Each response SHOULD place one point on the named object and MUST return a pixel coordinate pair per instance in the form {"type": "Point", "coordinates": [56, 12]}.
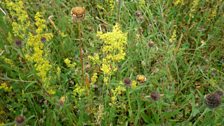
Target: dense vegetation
{"type": "Point", "coordinates": [146, 62]}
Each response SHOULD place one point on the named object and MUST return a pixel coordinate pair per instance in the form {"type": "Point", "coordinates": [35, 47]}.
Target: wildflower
{"type": "Point", "coordinates": [133, 84]}
{"type": "Point", "coordinates": [174, 36]}
{"type": "Point", "coordinates": [177, 2]}
{"type": "Point", "coordinates": [116, 92]}
{"type": "Point", "coordinates": [127, 81]}
{"type": "Point", "coordinates": [5, 87]}
{"type": "Point", "coordinates": [51, 92]}
{"type": "Point", "coordinates": [111, 4]}
{"type": "Point", "coordinates": [69, 64]}
{"type": "Point", "coordinates": [112, 50]}
{"type": "Point", "coordinates": [78, 90]}
{"type": "Point", "coordinates": [193, 8]}
{"type": "Point", "coordinates": [141, 78]}
{"type": "Point", "coordinates": [18, 43]}
{"type": "Point", "coordinates": [213, 100]}
{"type": "Point", "coordinates": [43, 39]}
{"type": "Point", "coordinates": [155, 96]}
{"type": "Point", "coordinates": [94, 78]}
{"type": "Point", "coordinates": [78, 13]}
{"type": "Point", "coordinates": [19, 120]}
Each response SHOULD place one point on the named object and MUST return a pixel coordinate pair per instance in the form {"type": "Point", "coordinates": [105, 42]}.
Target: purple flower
{"type": "Point", "coordinates": [18, 42]}
{"type": "Point", "coordinates": [43, 39]}
{"type": "Point", "coordinates": [155, 96]}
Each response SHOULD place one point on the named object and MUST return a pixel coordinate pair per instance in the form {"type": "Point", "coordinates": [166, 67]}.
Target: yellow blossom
{"type": "Point", "coordinates": [69, 64]}
{"type": "Point", "coordinates": [5, 87]}
{"type": "Point", "coordinates": [94, 78]}
{"type": "Point", "coordinates": [78, 90]}
{"type": "Point", "coordinates": [173, 37]}
{"type": "Point", "coordinates": [113, 50]}
{"type": "Point", "coordinates": [51, 91]}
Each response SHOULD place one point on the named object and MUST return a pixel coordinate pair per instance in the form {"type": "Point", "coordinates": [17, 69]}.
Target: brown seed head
{"type": "Point", "coordinates": [150, 43]}
{"type": "Point", "coordinates": [127, 81]}
{"type": "Point", "coordinates": [20, 119]}
{"type": "Point", "coordinates": [78, 13]}
{"type": "Point", "coordinates": [155, 96]}
{"type": "Point", "coordinates": [213, 100]}
{"type": "Point", "coordinates": [141, 78]}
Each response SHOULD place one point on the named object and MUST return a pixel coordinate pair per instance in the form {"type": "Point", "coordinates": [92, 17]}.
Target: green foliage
{"type": "Point", "coordinates": [176, 45]}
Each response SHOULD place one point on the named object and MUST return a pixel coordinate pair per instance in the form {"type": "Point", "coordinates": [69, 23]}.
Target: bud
{"type": "Point", "coordinates": [213, 100]}
{"type": "Point", "coordinates": [155, 96]}
{"type": "Point", "coordinates": [127, 81]}
{"type": "Point", "coordinates": [150, 43]}
{"type": "Point", "coordinates": [19, 120]}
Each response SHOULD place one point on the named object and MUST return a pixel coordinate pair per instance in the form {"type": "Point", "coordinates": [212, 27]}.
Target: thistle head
{"type": "Point", "coordinates": [78, 13]}
{"type": "Point", "coordinates": [213, 100]}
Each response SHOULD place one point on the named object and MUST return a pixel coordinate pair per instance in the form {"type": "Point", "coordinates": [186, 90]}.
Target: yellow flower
{"type": "Point", "coordinates": [133, 84]}
{"type": "Point", "coordinates": [112, 52]}
{"type": "Point", "coordinates": [68, 63]}
{"type": "Point", "coordinates": [51, 92]}
{"type": "Point", "coordinates": [173, 37]}
{"type": "Point", "coordinates": [94, 78]}
{"type": "Point", "coordinates": [5, 87]}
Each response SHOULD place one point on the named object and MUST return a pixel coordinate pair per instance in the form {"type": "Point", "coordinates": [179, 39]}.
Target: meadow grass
{"type": "Point", "coordinates": [120, 62]}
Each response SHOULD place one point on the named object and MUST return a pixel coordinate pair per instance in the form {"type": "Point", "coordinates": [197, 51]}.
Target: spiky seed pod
{"type": "Point", "coordinates": [127, 81]}
{"type": "Point", "coordinates": [141, 78]}
{"type": "Point", "coordinates": [213, 100]}
{"type": "Point", "coordinates": [19, 120]}
{"type": "Point", "coordinates": [155, 96]}
{"type": "Point", "coordinates": [78, 13]}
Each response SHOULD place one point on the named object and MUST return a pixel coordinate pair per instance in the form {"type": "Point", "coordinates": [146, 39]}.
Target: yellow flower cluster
{"type": "Point", "coordinates": [69, 64]}
{"type": "Point", "coordinates": [78, 90]}
{"type": "Point", "coordinates": [8, 61]}
{"type": "Point", "coordinates": [193, 8]}
{"type": "Point", "coordinates": [5, 87]}
{"type": "Point", "coordinates": [174, 36]}
{"type": "Point", "coordinates": [94, 78]}
{"type": "Point", "coordinates": [113, 50]}
{"type": "Point", "coordinates": [116, 92]}
{"type": "Point", "coordinates": [21, 21]}
{"type": "Point", "coordinates": [177, 2]}
{"type": "Point", "coordinates": [37, 55]}
{"type": "Point", "coordinates": [111, 4]}
{"type": "Point", "coordinates": [141, 2]}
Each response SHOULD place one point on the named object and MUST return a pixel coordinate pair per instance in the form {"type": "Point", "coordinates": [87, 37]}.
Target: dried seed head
{"type": "Point", "coordinates": [127, 81]}
{"type": "Point", "coordinates": [155, 96]}
{"type": "Point", "coordinates": [213, 100]}
{"type": "Point", "coordinates": [150, 43]}
{"type": "Point", "coordinates": [78, 13]}
{"type": "Point", "coordinates": [141, 78]}
{"type": "Point", "coordinates": [20, 120]}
